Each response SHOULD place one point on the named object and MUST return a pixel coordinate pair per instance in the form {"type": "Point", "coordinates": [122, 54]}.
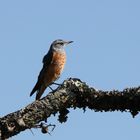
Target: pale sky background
{"type": "Point", "coordinates": [105, 54]}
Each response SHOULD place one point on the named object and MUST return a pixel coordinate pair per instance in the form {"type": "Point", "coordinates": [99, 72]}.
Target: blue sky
{"type": "Point", "coordinates": [105, 54]}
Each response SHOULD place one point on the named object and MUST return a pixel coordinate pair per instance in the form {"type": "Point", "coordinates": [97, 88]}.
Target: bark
{"type": "Point", "coordinates": [73, 93]}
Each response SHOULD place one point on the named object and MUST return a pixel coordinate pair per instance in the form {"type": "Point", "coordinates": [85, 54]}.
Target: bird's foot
{"type": "Point", "coordinates": [53, 90]}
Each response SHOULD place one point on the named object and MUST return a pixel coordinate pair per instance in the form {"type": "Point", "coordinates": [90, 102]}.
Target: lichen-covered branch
{"type": "Point", "coordinates": [73, 93]}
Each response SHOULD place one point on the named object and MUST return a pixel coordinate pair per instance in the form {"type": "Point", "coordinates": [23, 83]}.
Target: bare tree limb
{"type": "Point", "coordinates": [73, 93]}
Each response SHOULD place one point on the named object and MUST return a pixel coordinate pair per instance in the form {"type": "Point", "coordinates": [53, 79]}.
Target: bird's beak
{"type": "Point", "coordinates": [68, 42]}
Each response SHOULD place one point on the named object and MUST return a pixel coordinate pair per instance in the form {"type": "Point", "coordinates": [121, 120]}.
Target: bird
{"type": "Point", "coordinates": [53, 65]}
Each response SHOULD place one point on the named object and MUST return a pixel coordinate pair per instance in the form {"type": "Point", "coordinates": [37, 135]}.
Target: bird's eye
{"type": "Point", "coordinates": [61, 43]}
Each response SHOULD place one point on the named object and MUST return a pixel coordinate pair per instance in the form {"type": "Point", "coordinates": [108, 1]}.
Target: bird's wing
{"type": "Point", "coordinates": [47, 59]}
{"type": "Point", "coordinates": [46, 62]}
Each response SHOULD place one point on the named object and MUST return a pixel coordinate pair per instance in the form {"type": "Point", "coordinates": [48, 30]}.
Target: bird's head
{"type": "Point", "coordinates": [59, 44]}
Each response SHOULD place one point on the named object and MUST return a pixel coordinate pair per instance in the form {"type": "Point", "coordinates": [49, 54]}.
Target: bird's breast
{"type": "Point", "coordinates": [58, 62]}
{"type": "Point", "coordinates": [54, 69]}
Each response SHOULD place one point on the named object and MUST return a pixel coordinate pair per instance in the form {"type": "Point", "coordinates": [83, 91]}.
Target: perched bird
{"type": "Point", "coordinates": [53, 64]}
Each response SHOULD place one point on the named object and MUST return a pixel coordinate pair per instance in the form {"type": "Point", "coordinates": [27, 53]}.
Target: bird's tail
{"type": "Point", "coordinates": [33, 91]}
{"type": "Point", "coordinates": [36, 87]}
{"type": "Point", "coordinates": [40, 92]}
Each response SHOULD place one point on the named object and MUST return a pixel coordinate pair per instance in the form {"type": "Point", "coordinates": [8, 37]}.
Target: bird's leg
{"type": "Point", "coordinates": [51, 88]}
{"type": "Point", "coordinates": [56, 83]}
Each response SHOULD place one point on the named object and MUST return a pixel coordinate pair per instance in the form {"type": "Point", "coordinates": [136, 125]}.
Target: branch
{"type": "Point", "coordinates": [73, 93]}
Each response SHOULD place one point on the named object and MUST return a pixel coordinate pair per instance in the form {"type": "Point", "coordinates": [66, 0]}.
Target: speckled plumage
{"type": "Point", "coordinates": [53, 65]}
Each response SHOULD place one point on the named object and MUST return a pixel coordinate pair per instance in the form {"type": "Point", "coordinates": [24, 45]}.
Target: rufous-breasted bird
{"type": "Point", "coordinates": [53, 64]}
